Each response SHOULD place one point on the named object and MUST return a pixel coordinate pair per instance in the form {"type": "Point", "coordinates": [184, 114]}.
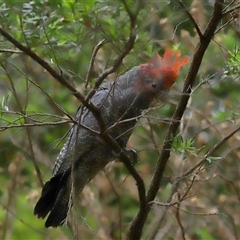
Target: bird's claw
{"type": "Point", "coordinates": [131, 153]}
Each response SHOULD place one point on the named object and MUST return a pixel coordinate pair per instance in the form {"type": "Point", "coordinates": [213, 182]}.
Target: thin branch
{"type": "Point", "coordinates": [43, 63]}
{"type": "Point", "coordinates": [118, 202]}
{"type": "Point", "coordinates": [233, 184]}
{"type": "Point", "coordinates": [11, 51]}
{"type": "Point", "coordinates": [189, 187]}
{"type": "Point", "coordinates": [203, 214]}
{"type": "Point", "coordinates": [87, 103]}
{"type": "Point", "coordinates": [179, 219]}
{"type": "Point", "coordinates": [225, 24]}
{"type": "Point", "coordinates": [226, 213]}
{"type": "Point", "coordinates": [135, 230]}
{"type": "Point", "coordinates": [50, 44]}
{"type": "Point", "coordinates": [30, 115]}
{"type": "Point", "coordinates": [94, 53]}
{"type": "Point", "coordinates": [197, 59]}
{"type": "Point", "coordinates": [180, 199]}
{"type": "Point", "coordinates": [124, 51]}
{"type": "Point", "coordinates": [151, 136]}
{"type": "Point", "coordinates": [28, 224]}
{"type": "Point", "coordinates": [210, 152]}
{"type": "Point", "coordinates": [176, 27]}
{"type": "Point", "coordinates": [22, 31]}
{"type": "Point", "coordinates": [45, 92]}
{"type": "Point", "coordinates": [27, 129]}
{"type": "Point", "coordinates": [12, 189]}
{"type": "Point", "coordinates": [35, 124]}
{"type": "Point", "coordinates": [231, 9]}
{"type": "Point", "coordinates": [219, 144]}
{"type": "Point", "coordinates": [191, 18]}
{"type": "Point", "coordinates": [118, 60]}
{"type": "Point", "coordinates": [85, 100]}
{"type": "Point", "coordinates": [160, 218]}
{"type": "Point", "coordinates": [230, 4]}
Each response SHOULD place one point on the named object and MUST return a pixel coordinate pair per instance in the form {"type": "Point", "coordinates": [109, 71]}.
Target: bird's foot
{"type": "Point", "coordinates": [131, 153]}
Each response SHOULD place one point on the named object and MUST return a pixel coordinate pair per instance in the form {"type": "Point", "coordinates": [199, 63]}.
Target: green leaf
{"type": "Point", "coordinates": [4, 103]}
{"type": "Point", "coordinates": [212, 159]}
{"type": "Point", "coordinates": [205, 235]}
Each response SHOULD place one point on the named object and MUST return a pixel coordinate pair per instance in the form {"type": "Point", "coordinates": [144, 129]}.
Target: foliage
{"type": "Point", "coordinates": [199, 193]}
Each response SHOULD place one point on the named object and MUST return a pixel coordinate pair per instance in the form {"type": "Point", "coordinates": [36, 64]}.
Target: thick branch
{"type": "Point", "coordinates": [136, 227]}
{"type": "Point", "coordinates": [86, 100]}
{"type": "Point", "coordinates": [43, 63]}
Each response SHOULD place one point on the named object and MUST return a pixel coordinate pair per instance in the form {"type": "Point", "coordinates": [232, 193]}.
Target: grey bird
{"type": "Point", "coordinates": [85, 153]}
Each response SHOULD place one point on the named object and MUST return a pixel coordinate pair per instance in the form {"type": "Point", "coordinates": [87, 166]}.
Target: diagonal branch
{"type": "Point", "coordinates": [94, 53]}
{"type": "Point", "coordinates": [210, 153]}
{"type": "Point", "coordinates": [86, 100]}
{"type": "Point", "coordinates": [123, 52]}
{"type": "Point", "coordinates": [196, 62]}
{"type": "Point", "coordinates": [43, 63]}
{"type": "Point", "coordinates": [191, 18]}
{"type": "Point", "coordinates": [229, 10]}
{"type": "Point", "coordinates": [135, 230]}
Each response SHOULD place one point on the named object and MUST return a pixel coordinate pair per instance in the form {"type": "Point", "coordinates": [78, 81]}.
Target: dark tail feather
{"type": "Point", "coordinates": [54, 199]}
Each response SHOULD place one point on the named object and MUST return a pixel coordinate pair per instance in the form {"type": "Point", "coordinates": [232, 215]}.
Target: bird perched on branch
{"type": "Point", "coordinates": [85, 152]}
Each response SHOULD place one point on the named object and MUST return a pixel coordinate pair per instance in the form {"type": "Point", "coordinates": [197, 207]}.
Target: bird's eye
{"type": "Point", "coordinates": [154, 85]}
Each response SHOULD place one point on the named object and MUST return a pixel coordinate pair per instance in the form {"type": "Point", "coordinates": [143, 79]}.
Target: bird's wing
{"type": "Point", "coordinates": [80, 139]}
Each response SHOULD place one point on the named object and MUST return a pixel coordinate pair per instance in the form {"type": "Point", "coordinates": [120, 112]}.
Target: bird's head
{"type": "Point", "coordinates": [159, 74]}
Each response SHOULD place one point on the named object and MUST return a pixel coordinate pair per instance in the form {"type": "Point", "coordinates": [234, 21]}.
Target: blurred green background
{"type": "Point", "coordinates": [64, 33]}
